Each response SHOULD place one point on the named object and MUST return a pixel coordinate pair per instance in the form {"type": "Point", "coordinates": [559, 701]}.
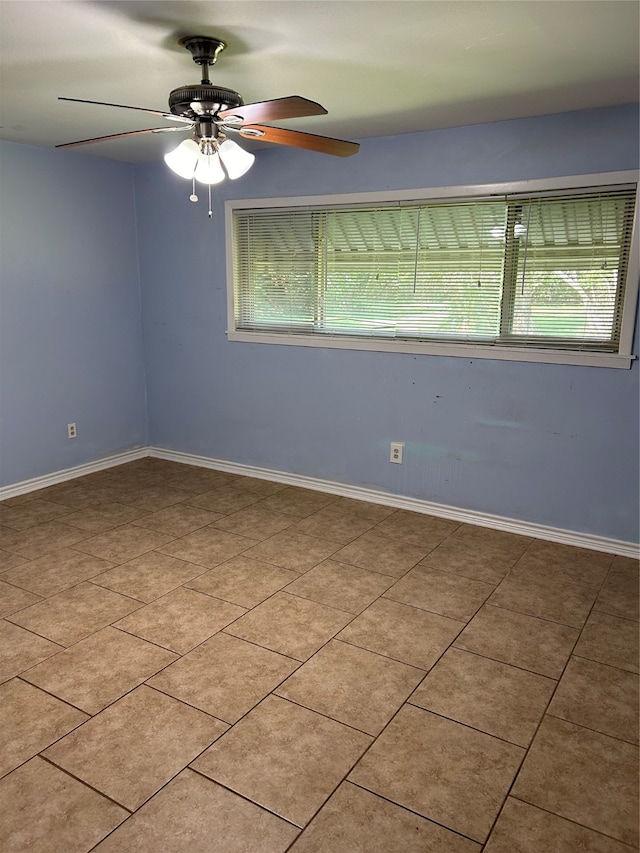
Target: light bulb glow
{"type": "Point", "coordinates": [235, 159]}
{"type": "Point", "coordinates": [183, 159]}
{"type": "Point", "coordinates": [209, 169]}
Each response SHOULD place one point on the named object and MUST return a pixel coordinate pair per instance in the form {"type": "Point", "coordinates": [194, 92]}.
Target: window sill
{"type": "Point", "coordinates": [545, 356]}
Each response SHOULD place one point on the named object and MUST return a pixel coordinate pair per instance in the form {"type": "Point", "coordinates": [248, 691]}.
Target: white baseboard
{"type": "Point", "coordinates": [496, 522]}
{"type": "Point", "coordinates": [71, 473]}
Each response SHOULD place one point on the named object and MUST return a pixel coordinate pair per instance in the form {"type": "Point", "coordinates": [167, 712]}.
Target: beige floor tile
{"type": "Point", "coordinates": [57, 571]}
{"type": "Point", "coordinates": [123, 543]}
{"type": "Point", "coordinates": [181, 619]}
{"type": "Point", "coordinates": [452, 774]}
{"type": "Point", "coordinates": [401, 632]}
{"type": "Point", "coordinates": [153, 498]}
{"type": "Point", "coordinates": [45, 810]}
{"type": "Point", "coordinates": [626, 565]}
{"type": "Point", "coordinates": [7, 537]}
{"type": "Point", "coordinates": [224, 676]}
{"type": "Point", "coordinates": [293, 551]}
{"type": "Point", "coordinates": [9, 561]}
{"type": "Point", "coordinates": [224, 499]}
{"type": "Point", "coordinates": [255, 521]}
{"type": "Point", "coordinates": [564, 563]}
{"type": "Point", "coordinates": [608, 639]}
{"type": "Point", "coordinates": [440, 592]}
{"type": "Point", "coordinates": [493, 697]}
{"type": "Point", "coordinates": [339, 585]}
{"type": "Point", "coordinates": [333, 524]}
{"type": "Point", "coordinates": [478, 553]}
{"type": "Point", "coordinates": [352, 686]}
{"type": "Point", "coordinates": [78, 494]}
{"type": "Point", "coordinates": [320, 574]}
{"type": "Point", "coordinates": [178, 520]}
{"type": "Point", "coordinates": [524, 641]}
{"type": "Point", "coordinates": [584, 776]}
{"type": "Point", "coordinates": [130, 750]}
{"type": "Point", "coordinates": [29, 514]}
{"type": "Point", "coordinates": [20, 649]}
{"type": "Point", "coordinates": [12, 599]}
{"type": "Point", "coordinates": [380, 554]}
{"type": "Point", "coordinates": [31, 721]}
{"type": "Point", "coordinates": [243, 581]}
{"type": "Point", "coordinates": [522, 828]}
{"type": "Point", "coordinates": [290, 625]}
{"type": "Point", "coordinates": [75, 613]}
{"type": "Point", "coordinates": [284, 757]}
{"type": "Point", "coordinates": [100, 669]}
{"type": "Point", "coordinates": [424, 531]}
{"type": "Point", "coordinates": [620, 595]}
{"type": "Point", "coordinates": [558, 601]}
{"type": "Point", "coordinates": [197, 480]}
{"type": "Point", "coordinates": [42, 539]}
{"type": "Point", "coordinates": [358, 821]}
{"type": "Point", "coordinates": [192, 811]}
{"type": "Point", "coordinates": [27, 497]}
{"type": "Point", "coordinates": [264, 488]}
{"type": "Point", "coordinates": [507, 545]}
{"type": "Point", "coordinates": [297, 501]}
{"type": "Point", "coordinates": [364, 509]}
{"type": "Point", "coordinates": [208, 547]}
{"type": "Point", "coordinates": [599, 697]}
{"type": "Point", "coordinates": [102, 517]}
{"type": "Point", "coordinates": [148, 576]}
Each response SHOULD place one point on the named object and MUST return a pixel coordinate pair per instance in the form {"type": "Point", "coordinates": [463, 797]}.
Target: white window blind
{"type": "Point", "coordinates": [544, 270]}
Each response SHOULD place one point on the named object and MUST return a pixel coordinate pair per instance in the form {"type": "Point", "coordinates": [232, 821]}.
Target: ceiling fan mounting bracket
{"type": "Point", "coordinates": [203, 49]}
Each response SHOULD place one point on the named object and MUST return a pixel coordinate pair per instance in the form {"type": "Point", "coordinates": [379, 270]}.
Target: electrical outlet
{"type": "Point", "coordinates": [72, 431]}
{"type": "Point", "coordinates": [396, 451]}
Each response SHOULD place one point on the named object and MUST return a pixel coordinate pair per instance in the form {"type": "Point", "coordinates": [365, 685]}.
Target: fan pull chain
{"type": "Point", "coordinates": [210, 211]}
{"type": "Point", "coordinates": [193, 197]}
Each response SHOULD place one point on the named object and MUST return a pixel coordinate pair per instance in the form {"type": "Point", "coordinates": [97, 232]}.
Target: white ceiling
{"type": "Point", "coordinates": [380, 67]}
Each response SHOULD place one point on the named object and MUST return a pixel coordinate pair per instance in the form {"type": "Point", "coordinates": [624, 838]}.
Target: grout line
{"type": "Point", "coordinates": [590, 729]}
{"type": "Point", "coordinates": [413, 812]}
{"type": "Point", "coordinates": [603, 663]}
{"type": "Point", "coordinates": [575, 823]}
{"type": "Point", "coordinates": [246, 799]}
{"type": "Point", "coordinates": [83, 782]}
{"type": "Point", "coordinates": [26, 681]}
{"type": "Point", "coordinates": [504, 662]}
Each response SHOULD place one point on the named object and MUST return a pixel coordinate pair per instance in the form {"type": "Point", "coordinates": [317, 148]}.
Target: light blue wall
{"type": "Point", "coordinates": [70, 326]}
{"type": "Point", "coordinates": [544, 443]}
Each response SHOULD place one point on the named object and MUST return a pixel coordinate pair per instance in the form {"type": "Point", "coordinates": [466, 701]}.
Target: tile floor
{"type": "Point", "coordinates": [202, 662]}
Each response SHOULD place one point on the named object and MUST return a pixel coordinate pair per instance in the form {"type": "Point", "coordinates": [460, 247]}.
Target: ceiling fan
{"type": "Point", "coordinates": [213, 114]}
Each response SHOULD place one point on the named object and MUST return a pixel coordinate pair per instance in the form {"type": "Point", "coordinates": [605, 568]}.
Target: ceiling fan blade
{"type": "Point", "coordinates": [297, 139]}
{"type": "Point", "coordinates": [120, 135]}
{"type": "Point", "coordinates": [168, 116]}
{"type": "Point", "coordinates": [276, 110]}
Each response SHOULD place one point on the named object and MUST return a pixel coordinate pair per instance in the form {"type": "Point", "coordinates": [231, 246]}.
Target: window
{"type": "Point", "coordinates": [538, 275]}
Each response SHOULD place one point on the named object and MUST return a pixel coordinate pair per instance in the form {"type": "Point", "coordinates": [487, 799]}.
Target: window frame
{"type": "Point", "coordinates": [621, 359]}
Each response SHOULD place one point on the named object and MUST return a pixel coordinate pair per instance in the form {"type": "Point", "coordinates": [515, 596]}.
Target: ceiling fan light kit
{"type": "Point", "coordinates": [211, 113]}
{"type": "Point", "coordinates": [196, 159]}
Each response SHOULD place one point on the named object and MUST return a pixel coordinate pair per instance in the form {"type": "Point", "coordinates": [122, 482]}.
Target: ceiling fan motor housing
{"type": "Point", "coordinates": [213, 98]}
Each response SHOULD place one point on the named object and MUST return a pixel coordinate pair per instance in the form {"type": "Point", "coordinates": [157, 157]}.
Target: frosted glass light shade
{"type": "Point", "coordinates": [209, 169]}
{"type": "Point", "coordinates": [235, 159]}
{"type": "Point", "coordinates": [183, 159]}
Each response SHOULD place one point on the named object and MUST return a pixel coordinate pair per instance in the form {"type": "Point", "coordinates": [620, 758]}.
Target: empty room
{"type": "Point", "coordinates": [319, 426]}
